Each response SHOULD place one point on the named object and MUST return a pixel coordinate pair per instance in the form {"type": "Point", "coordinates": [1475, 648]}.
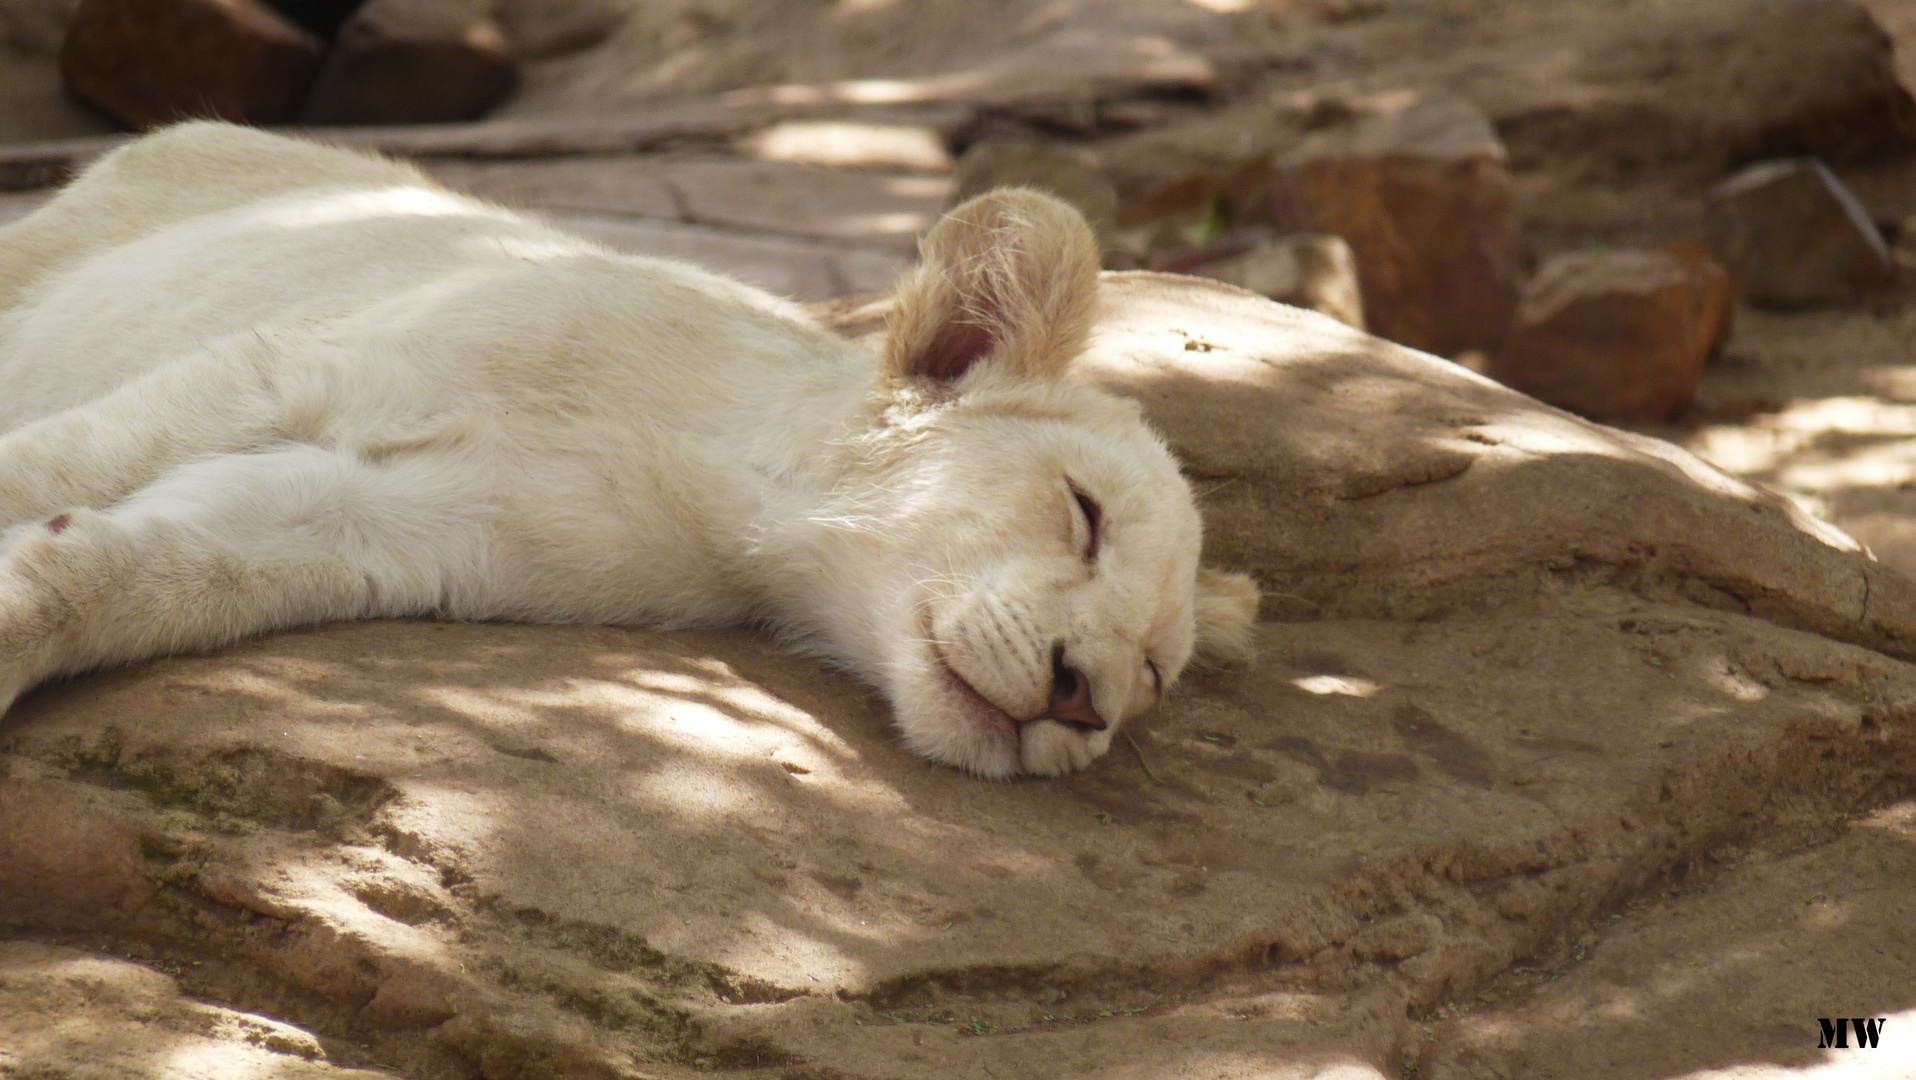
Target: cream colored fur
{"type": "Point", "coordinates": [249, 383]}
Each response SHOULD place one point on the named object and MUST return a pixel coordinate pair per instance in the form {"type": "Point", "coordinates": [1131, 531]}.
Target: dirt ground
{"type": "Point", "coordinates": [1564, 757]}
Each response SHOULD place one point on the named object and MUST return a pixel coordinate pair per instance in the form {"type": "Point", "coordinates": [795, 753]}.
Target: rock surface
{"type": "Point", "coordinates": [64, 1013]}
{"type": "Point", "coordinates": [1617, 336]}
{"type": "Point", "coordinates": [1417, 186]}
{"type": "Point", "coordinates": [412, 62]}
{"type": "Point", "coordinates": [1307, 270]}
{"type": "Point", "coordinates": [1793, 236]}
{"type": "Point", "coordinates": [148, 62]}
{"type": "Point", "coordinates": [1702, 85]}
{"type": "Point", "coordinates": [518, 850]}
{"type": "Point", "coordinates": [1749, 959]}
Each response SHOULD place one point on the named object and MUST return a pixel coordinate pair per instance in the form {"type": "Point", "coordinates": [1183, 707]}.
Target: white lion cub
{"type": "Point", "coordinates": [248, 382]}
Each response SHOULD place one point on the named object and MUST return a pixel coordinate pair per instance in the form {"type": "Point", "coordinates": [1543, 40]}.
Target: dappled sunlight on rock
{"type": "Point", "coordinates": [1335, 684]}
{"type": "Point", "coordinates": [846, 144]}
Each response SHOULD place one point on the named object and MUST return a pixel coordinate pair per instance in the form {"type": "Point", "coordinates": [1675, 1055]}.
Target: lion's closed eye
{"type": "Point", "coordinates": [1093, 521]}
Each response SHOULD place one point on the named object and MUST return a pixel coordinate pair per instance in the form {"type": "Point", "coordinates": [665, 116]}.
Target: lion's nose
{"type": "Point", "coordinates": [1071, 697]}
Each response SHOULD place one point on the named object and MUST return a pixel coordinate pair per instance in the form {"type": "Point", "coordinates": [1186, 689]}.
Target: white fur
{"type": "Point", "coordinates": [249, 383]}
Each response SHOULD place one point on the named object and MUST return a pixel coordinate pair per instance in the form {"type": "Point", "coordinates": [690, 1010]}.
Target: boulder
{"type": "Point", "coordinates": [1793, 236]}
{"type": "Point", "coordinates": [64, 1012]}
{"type": "Point", "coordinates": [1307, 270]}
{"type": "Point", "coordinates": [1707, 84]}
{"type": "Point", "coordinates": [1529, 665]}
{"type": "Point", "coordinates": [1617, 336]}
{"type": "Point", "coordinates": [148, 62]}
{"type": "Point", "coordinates": [1070, 175]}
{"type": "Point", "coordinates": [1416, 185]}
{"type": "Point", "coordinates": [413, 62]}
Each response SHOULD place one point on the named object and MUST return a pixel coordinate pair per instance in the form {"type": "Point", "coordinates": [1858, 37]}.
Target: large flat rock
{"type": "Point", "coordinates": [521, 851]}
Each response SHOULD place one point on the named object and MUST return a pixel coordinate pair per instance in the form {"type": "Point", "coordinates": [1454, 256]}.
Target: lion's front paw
{"type": "Point", "coordinates": [1046, 748]}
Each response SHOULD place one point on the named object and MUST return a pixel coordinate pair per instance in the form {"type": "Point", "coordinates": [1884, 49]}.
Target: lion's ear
{"type": "Point", "coordinates": [1010, 277]}
{"type": "Point", "coordinates": [1226, 616]}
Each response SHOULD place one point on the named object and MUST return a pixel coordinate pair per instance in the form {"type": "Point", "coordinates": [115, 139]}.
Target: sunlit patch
{"type": "Point", "coordinates": [1735, 683]}
{"type": "Point", "coordinates": [897, 223]}
{"type": "Point", "coordinates": [1880, 466]}
{"type": "Point", "coordinates": [1766, 442]}
{"type": "Point", "coordinates": [1336, 684]}
{"type": "Point", "coordinates": [691, 790]}
{"type": "Point", "coordinates": [838, 143]}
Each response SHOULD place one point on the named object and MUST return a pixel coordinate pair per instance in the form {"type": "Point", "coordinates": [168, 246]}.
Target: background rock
{"type": "Point", "coordinates": [1307, 270]}
{"type": "Point", "coordinates": [1617, 336]}
{"type": "Point", "coordinates": [1793, 236]}
{"type": "Point", "coordinates": [1701, 86]}
{"type": "Point", "coordinates": [149, 62]}
{"type": "Point", "coordinates": [1366, 480]}
{"type": "Point", "coordinates": [1417, 186]}
{"type": "Point", "coordinates": [412, 62]}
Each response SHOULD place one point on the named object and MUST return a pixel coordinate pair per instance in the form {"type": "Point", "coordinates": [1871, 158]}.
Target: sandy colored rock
{"type": "Point", "coordinates": [1700, 86]}
{"type": "Point", "coordinates": [1793, 236]}
{"type": "Point", "coordinates": [1307, 270]}
{"type": "Point", "coordinates": [1416, 185]}
{"type": "Point", "coordinates": [149, 62]}
{"type": "Point", "coordinates": [412, 62]}
{"type": "Point", "coordinates": [1729, 970]}
{"type": "Point", "coordinates": [848, 144]}
{"type": "Point", "coordinates": [492, 848]}
{"type": "Point", "coordinates": [805, 269]}
{"type": "Point", "coordinates": [1617, 336]}
{"type": "Point", "coordinates": [67, 1013]}
{"type": "Point", "coordinates": [1028, 58]}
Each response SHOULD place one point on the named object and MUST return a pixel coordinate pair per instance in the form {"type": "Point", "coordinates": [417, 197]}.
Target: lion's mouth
{"type": "Point", "coordinates": [989, 714]}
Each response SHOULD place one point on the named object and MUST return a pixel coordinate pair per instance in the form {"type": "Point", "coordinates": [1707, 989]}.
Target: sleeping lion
{"type": "Point", "coordinates": [248, 382]}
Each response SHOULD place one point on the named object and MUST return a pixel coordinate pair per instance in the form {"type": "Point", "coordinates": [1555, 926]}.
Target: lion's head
{"type": "Point", "coordinates": [1040, 562]}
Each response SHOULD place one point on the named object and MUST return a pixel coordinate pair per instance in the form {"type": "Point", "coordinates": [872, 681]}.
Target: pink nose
{"type": "Point", "coordinates": [1071, 698]}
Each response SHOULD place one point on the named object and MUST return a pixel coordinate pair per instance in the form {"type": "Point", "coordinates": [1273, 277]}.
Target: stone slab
{"type": "Point", "coordinates": [789, 266]}
{"type": "Point", "coordinates": [521, 850]}
{"type": "Point", "coordinates": [68, 1013]}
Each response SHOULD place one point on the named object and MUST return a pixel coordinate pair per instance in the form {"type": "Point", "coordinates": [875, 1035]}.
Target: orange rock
{"type": "Point", "coordinates": [1618, 336]}
{"type": "Point", "coordinates": [148, 62]}
{"type": "Point", "coordinates": [1417, 186]}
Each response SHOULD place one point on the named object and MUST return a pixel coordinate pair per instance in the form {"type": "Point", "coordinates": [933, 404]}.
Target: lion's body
{"type": "Point", "coordinates": [249, 383]}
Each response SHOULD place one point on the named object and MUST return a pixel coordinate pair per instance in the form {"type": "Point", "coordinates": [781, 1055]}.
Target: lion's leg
{"type": "Point", "coordinates": [234, 546]}
{"type": "Point", "coordinates": [224, 399]}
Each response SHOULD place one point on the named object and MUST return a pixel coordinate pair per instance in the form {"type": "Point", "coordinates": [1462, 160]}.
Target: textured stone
{"type": "Point", "coordinates": [413, 62]}
{"type": "Point", "coordinates": [1416, 185]}
{"type": "Point", "coordinates": [148, 62]}
{"type": "Point", "coordinates": [1704, 85]}
{"type": "Point", "coordinates": [581, 848]}
{"type": "Point", "coordinates": [1307, 270]}
{"type": "Point", "coordinates": [1793, 236]}
{"type": "Point", "coordinates": [1618, 336]}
